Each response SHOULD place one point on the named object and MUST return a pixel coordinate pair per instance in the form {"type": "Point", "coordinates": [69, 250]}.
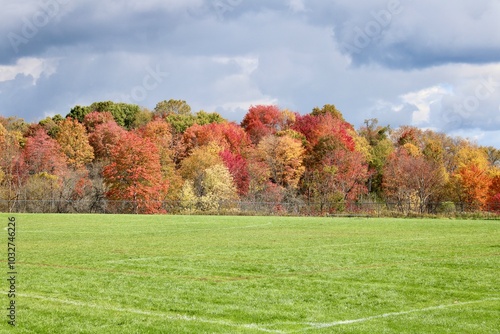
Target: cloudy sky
{"type": "Point", "coordinates": [432, 64]}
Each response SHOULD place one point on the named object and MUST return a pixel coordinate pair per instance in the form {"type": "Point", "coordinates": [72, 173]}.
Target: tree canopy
{"type": "Point", "coordinates": [138, 159]}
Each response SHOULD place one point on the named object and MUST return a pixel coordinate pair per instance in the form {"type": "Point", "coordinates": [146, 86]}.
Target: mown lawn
{"type": "Point", "coordinates": [194, 274]}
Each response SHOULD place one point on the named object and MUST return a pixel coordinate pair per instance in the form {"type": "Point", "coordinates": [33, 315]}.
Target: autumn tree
{"type": "Point", "coordinates": [349, 173]}
{"type": "Point", "coordinates": [259, 178]}
{"type": "Point", "coordinates": [76, 192]}
{"type": "Point", "coordinates": [324, 132]}
{"type": "Point", "coordinates": [469, 178]}
{"type": "Point", "coordinates": [229, 136]}
{"type": "Point", "coordinates": [188, 199]}
{"type": "Point", "coordinates": [493, 202]}
{"type": "Point", "coordinates": [287, 119]}
{"type": "Point", "coordinates": [208, 182]}
{"type": "Point", "coordinates": [50, 193]}
{"type": "Point", "coordinates": [14, 123]}
{"type": "Point", "coordinates": [340, 178]}
{"type": "Point", "coordinates": [3, 136]}
{"type": "Point", "coordinates": [238, 167]}
{"type": "Point", "coordinates": [201, 158]}
{"type": "Point", "coordinates": [411, 181]}
{"type": "Point", "coordinates": [261, 121]}
{"type": "Point", "coordinates": [93, 119]}
{"type": "Point", "coordinates": [472, 154]}
{"type": "Point", "coordinates": [472, 184]}
{"type": "Point", "coordinates": [328, 109]}
{"type": "Point", "coordinates": [217, 189]}
{"type": "Point", "coordinates": [104, 137]}
{"type": "Point", "coordinates": [134, 175]}
{"type": "Point", "coordinates": [10, 166]}
{"type": "Point", "coordinates": [40, 190]}
{"type": "Point", "coordinates": [43, 154]}
{"type": "Point", "coordinates": [495, 181]}
{"type": "Point", "coordinates": [284, 158]}
{"type": "Point", "coordinates": [160, 134]}
{"type": "Point", "coordinates": [42, 168]}
{"type": "Point", "coordinates": [74, 142]}
{"type": "Point", "coordinates": [335, 159]}
{"type": "Point", "coordinates": [407, 134]}
{"type": "Point", "coordinates": [433, 150]}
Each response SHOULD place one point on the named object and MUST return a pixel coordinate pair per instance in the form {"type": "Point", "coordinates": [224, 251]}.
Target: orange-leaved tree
{"type": "Point", "coordinates": [134, 175]}
{"type": "Point", "coordinates": [229, 136]}
{"type": "Point", "coordinates": [493, 203]}
{"type": "Point", "coordinates": [471, 179]}
{"type": "Point", "coordinates": [473, 185]}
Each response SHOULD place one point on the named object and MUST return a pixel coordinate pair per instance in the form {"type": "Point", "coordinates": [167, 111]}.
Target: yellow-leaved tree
{"type": "Point", "coordinates": [284, 157]}
{"type": "Point", "coordinates": [471, 179]}
{"type": "Point", "coordinates": [218, 189]}
{"type": "Point", "coordinates": [74, 141]}
{"type": "Point", "coordinates": [208, 184]}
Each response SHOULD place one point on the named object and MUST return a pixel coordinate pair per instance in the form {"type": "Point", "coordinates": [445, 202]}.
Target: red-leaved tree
{"type": "Point", "coordinates": [324, 133]}
{"type": "Point", "coordinates": [104, 137]}
{"type": "Point", "coordinates": [95, 118]}
{"type": "Point", "coordinates": [43, 154]}
{"type": "Point", "coordinates": [261, 121]}
{"type": "Point", "coordinates": [238, 167]}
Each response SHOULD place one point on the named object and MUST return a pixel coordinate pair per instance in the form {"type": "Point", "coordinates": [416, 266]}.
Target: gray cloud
{"type": "Point", "coordinates": [411, 66]}
{"type": "Point", "coordinates": [408, 34]}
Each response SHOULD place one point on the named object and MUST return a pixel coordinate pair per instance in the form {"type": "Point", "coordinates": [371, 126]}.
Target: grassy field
{"type": "Point", "coordinates": [177, 274]}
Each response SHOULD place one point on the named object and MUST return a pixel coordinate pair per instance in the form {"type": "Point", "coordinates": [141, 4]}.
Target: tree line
{"type": "Point", "coordinates": [122, 153]}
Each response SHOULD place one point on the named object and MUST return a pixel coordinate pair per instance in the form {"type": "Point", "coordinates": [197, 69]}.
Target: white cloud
{"type": "Point", "coordinates": [423, 100]}
{"type": "Point", "coordinates": [34, 67]}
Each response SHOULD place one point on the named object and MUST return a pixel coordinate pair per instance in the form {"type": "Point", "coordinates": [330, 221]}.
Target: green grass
{"type": "Point", "coordinates": [176, 274]}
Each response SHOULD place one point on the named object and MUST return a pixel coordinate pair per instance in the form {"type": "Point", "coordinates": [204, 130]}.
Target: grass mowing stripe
{"type": "Point", "coordinates": [313, 326]}
{"type": "Point", "coordinates": [158, 231]}
{"type": "Point", "coordinates": [393, 314]}
{"type": "Point", "coordinates": [149, 313]}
